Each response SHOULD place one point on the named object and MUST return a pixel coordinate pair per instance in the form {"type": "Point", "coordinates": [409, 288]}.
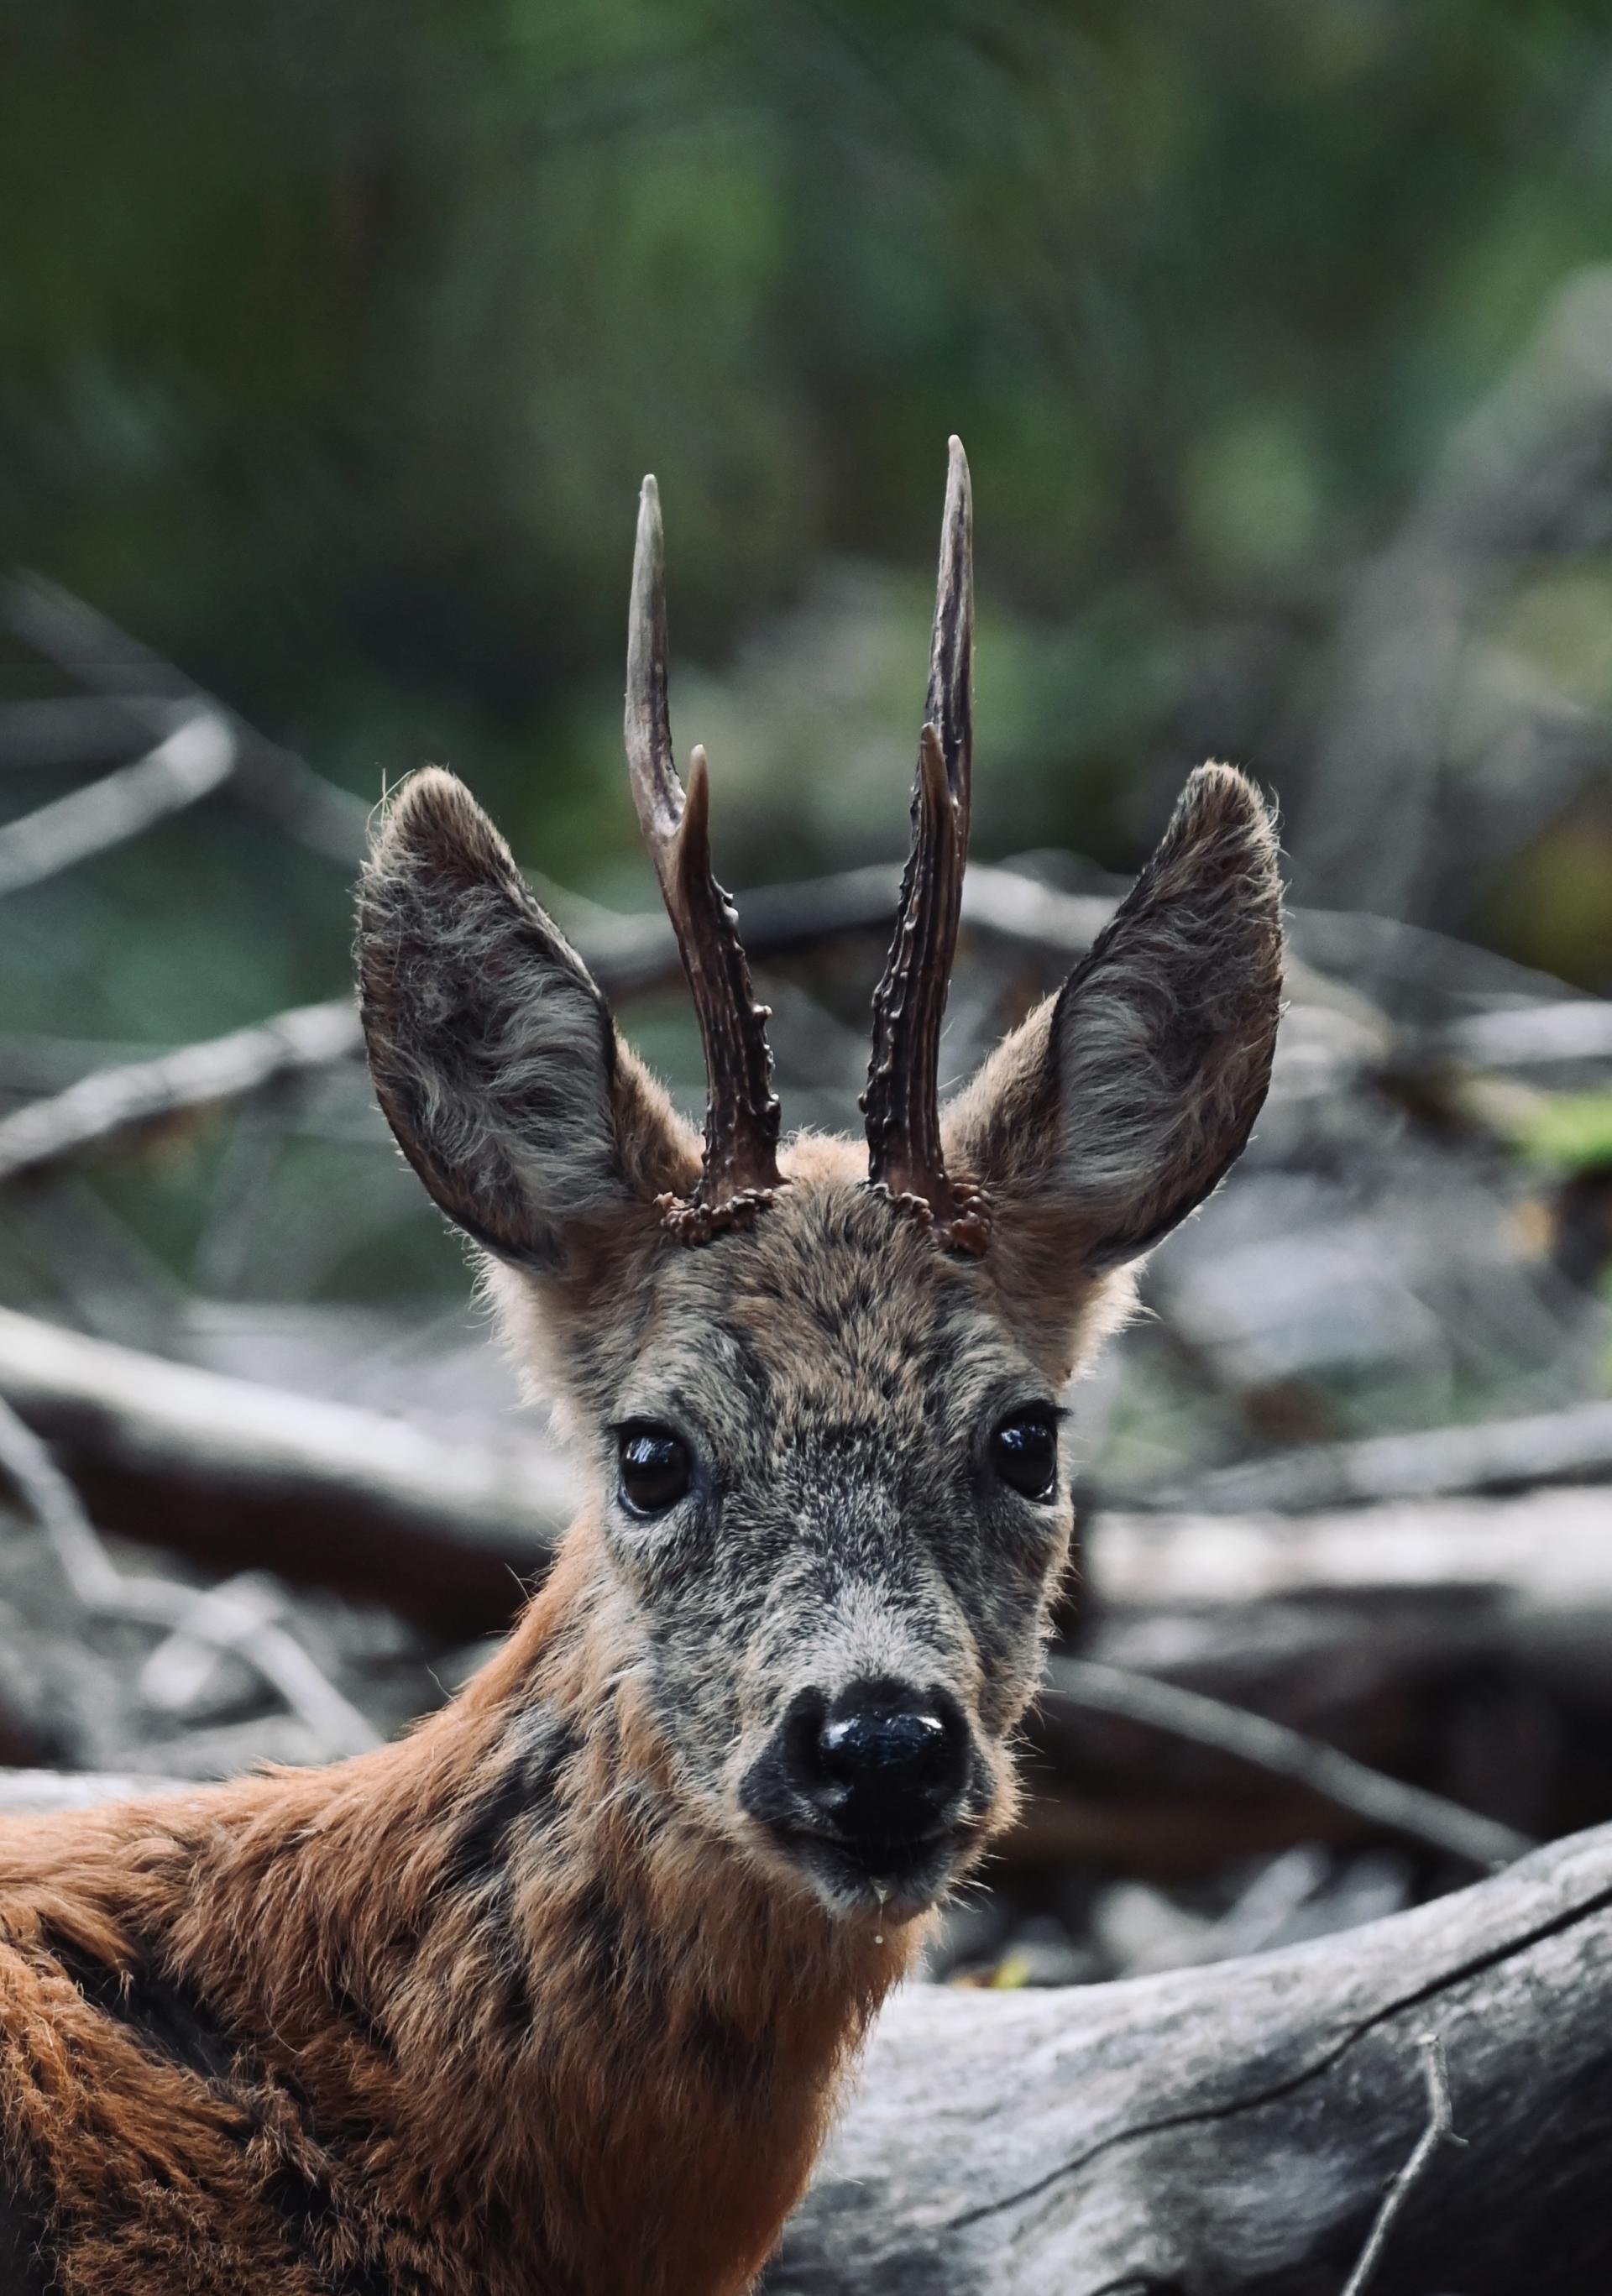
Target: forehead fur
{"type": "Point", "coordinates": [834, 1308]}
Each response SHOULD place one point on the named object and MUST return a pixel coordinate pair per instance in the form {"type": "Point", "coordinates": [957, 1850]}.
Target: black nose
{"type": "Point", "coordinates": [887, 1760]}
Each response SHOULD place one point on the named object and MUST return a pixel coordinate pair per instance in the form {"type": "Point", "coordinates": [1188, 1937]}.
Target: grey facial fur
{"type": "Point", "coordinates": [837, 1380]}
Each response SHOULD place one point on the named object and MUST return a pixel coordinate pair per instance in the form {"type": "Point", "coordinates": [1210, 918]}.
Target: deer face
{"type": "Point", "coordinates": [820, 1387]}
{"type": "Point", "coordinates": [835, 1507]}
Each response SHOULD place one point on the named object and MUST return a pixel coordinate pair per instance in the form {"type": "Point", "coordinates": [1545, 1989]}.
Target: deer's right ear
{"type": "Point", "coordinates": [494, 1056]}
{"type": "Point", "coordinates": [1118, 1106]}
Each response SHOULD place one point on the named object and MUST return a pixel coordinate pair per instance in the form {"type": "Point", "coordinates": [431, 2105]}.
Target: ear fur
{"type": "Point", "coordinates": [1120, 1102]}
{"type": "Point", "coordinates": [494, 1056]}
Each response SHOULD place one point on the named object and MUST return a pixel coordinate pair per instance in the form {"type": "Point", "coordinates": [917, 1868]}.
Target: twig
{"type": "Point", "coordinates": [1413, 1811]}
{"type": "Point", "coordinates": [74, 729]}
{"type": "Point", "coordinates": [240, 1474]}
{"type": "Point", "coordinates": [181, 1668]}
{"type": "Point", "coordinates": [195, 759]}
{"type": "Point", "coordinates": [1440, 2130]}
{"type": "Point", "coordinates": [205, 1615]}
{"type": "Point", "coordinates": [320, 815]}
{"type": "Point", "coordinates": [1574, 1445]}
{"type": "Point", "coordinates": [112, 1103]}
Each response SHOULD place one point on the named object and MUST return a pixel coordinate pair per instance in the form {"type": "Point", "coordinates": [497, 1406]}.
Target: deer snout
{"type": "Point", "coordinates": [883, 1762]}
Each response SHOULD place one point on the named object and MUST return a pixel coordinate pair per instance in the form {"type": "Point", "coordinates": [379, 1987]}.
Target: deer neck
{"type": "Point", "coordinates": [551, 1978]}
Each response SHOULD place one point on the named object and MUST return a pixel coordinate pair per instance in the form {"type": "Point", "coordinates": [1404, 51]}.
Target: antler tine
{"type": "Point", "coordinates": [949, 704]}
{"type": "Point", "coordinates": [903, 1099]}
{"type": "Point", "coordinates": [740, 1169]}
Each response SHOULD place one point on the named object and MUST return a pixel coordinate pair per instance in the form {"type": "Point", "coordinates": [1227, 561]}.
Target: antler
{"type": "Point", "coordinates": [740, 1170]}
{"type": "Point", "coordinates": [903, 1099]}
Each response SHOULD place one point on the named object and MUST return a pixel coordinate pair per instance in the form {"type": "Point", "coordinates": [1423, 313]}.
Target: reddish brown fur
{"type": "Point", "coordinates": [566, 2147]}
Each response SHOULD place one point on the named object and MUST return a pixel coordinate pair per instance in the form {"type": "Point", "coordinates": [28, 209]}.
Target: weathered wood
{"type": "Point", "coordinates": [1459, 1643]}
{"type": "Point", "coordinates": [1571, 1446]}
{"type": "Point", "coordinates": [238, 1475]}
{"type": "Point", "coordinates": [1231, 2131]}
{"type": "Point", "coordinates": [36, 1793]}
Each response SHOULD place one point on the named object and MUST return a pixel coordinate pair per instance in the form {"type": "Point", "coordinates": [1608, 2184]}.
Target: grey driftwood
{"type": "Point", "coordinates": [1231, 2131]}
{"type": "Point", "coordinates": [244, 1476]}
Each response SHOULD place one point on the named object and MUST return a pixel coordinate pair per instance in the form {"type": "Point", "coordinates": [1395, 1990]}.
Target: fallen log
{"type": "Point", "coordinates": [241, 1476]}
{"type": "Point", "coordinates": [1524, 1581]}
{"type": "Point", "coordinates": [1232, 2131]}
{"type": "Point", "coordinates": [1459, 1643]}
{"type": "Point", "coordinates": [1570, 1445]}
{"type": "Point", "coordinates": [36, 1793]}
{"type": "Point", "coordinates": [1548, 1548]}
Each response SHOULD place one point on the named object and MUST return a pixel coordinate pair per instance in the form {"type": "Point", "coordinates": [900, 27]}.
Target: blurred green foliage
{"type": "Point", "coordinates": [333, 341]}
{"type": "Point", "coordinates": [1569, 1132]}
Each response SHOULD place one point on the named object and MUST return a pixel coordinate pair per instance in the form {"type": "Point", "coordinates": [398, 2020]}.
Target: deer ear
{"type": "Point", "coordinates": [1119, 1105]}
{"type": "Point", "coordinates": [494, 1056]}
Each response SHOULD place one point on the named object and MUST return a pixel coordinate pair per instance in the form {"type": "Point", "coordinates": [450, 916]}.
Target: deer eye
{"type": "Point", "coordinates": [655, 1467]}
{"type": "Point", "coordinates": [1024, 1451]}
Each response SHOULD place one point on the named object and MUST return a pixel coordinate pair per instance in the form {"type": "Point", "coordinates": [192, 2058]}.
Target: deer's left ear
{"type": "Point", "coordinates": [1118, 1105]}
{"type": "Point", "coordinates": [494, 1056]}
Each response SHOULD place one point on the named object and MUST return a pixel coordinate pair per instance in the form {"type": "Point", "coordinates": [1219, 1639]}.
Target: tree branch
{"type": "Point", "coordinates": [1429, 1818]}
{"type": "Point", "coordinates": [236, 1474]}
{"type": "Point", "coordinates": [1440, 2131]}
{"type": "Point", "coordinates": [134, 1096]}
{"type": "Point", "coordinates": [197, 757]}
{"type": "Point", "coordinates": [319, 814]}
{"type": "Point", "coordinates": [209, 1615]}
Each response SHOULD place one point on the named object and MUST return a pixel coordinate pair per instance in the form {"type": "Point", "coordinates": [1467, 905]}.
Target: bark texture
{"type": "Point", "coordinates": [1232, 2131]}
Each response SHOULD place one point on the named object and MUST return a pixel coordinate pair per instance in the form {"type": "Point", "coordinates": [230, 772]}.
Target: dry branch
{"type": "Point", "coordinates": [1231, 2132]}
{"type": "Point", "coordinates": [1385, 1803]}
{"type": "Point", "coordinates": [275, 783]}
{"type": "Point", "coordinates": [112, 1103]}
{"type": "Point", "coordinates": [212, 1615]}
{"type": "Point", "coordinates": [195, 759]}
{"type": "Point", "coordinates": [239, 1475]}
{"type": "Point", "coordinates": [1555, 1446]}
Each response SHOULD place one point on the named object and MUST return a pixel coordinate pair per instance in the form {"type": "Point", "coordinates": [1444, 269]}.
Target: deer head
{"type": "Point", "coordinates": [819, 1385]}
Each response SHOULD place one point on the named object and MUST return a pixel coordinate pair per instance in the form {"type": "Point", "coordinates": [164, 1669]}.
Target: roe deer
{"type": "Point", "coordinates": [553, 1997]}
